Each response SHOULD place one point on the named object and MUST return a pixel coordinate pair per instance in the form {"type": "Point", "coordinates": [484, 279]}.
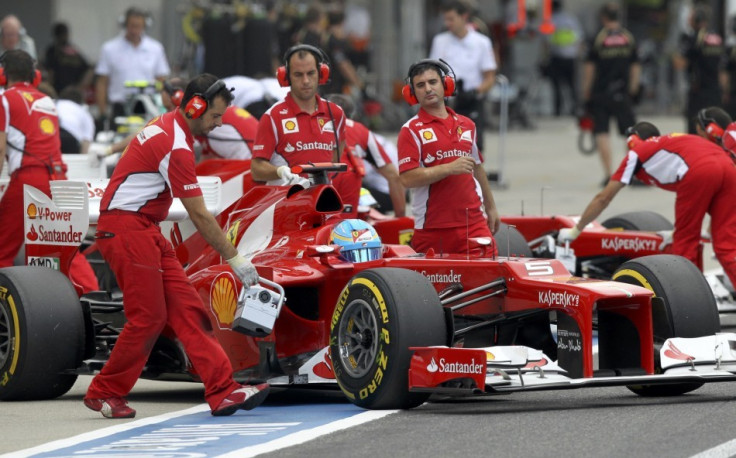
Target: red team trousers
{"type": "Point", "coordinates": [13, 233]}
{"type": "Point", "coordinates": [156, 292]}
{"type": "Point", "coordinates": [707, 189]}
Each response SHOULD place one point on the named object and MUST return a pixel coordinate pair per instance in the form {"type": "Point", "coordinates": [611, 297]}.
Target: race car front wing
{"type": "Point", "coordinates": [500, 369]}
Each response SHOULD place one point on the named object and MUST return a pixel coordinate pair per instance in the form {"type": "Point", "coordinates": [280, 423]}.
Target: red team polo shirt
{"type": "Point", "coordinates": [664, 161]}
{"type": "Point", "coordinates": [234, 139]}
{"type": "Point", "coordinates": [427, 141]}
{"type": "Point", "coordinates": [289, 136]}
{"type": "Point", "coordinates": [364, 144]}
{"type": "Point", "coordinates": [29, 119]}
{"type": "Point", "coordinates": [157, 166]}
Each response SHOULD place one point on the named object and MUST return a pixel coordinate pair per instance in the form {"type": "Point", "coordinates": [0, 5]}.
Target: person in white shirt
{"type": "Point", "coordinates": [470, 54]}
{"type": "Point", "coordinates": [131, 56]}
{"type": "Point", "coordinates": [76, 124]}
{"type": "Point", "coordinates": [14, 36]}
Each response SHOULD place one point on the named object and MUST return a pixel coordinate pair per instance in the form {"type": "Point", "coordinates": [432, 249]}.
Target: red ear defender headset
{"type": "Point", "coordinates": [710, 126]}
{"type": "Point", "coordinates": [197, 105]}
{"type": "Point", "coordinates": [175, 94]}
{"type": "Point", "coordinates": [4, 79]}
{"type": "Point", "coordinates": [632, 138]}
{"type": "Point", "coordinates": [443, 68]}
{"type": "Point", "coordinates": [282, 74]}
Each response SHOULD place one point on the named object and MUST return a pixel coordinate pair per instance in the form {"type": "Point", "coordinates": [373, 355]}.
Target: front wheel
{"type": "Point", "coordinates": [688, 307]}
{"type": "Point", "coordinates": [380, 314]}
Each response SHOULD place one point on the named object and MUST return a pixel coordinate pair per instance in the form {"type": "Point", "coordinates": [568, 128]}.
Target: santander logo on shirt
{"type": "Point", "coordinates": [449, 154]}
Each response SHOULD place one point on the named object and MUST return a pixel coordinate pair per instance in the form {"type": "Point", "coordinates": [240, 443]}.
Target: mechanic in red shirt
{"type": "Point", "coordinates": [703, 178]}
{"type": "Point", "coordinates": [361, 143]}
{"type": "Point", "coordinates": [157, 166]}
{"type": "Point", "coordinates": [303, 127]}
{"type": "Point", "coordinates": [29, 138]}
{"type": "Point", "coordinates": [234, 139]}
{"type": "Point", "coordinates": [440, 162]}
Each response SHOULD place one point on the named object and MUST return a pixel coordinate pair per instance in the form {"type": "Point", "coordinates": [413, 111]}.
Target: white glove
{"type": "Point", "coordinates": [666, 239]}
{"type": "Point", "coordinates": [289, 178]}
{"type": "Point", "coordinates": [244, 269]}
{"type": "Point", "coordinates": [568, 234]}
{"type": "Point", "coordinates": [99, 149]}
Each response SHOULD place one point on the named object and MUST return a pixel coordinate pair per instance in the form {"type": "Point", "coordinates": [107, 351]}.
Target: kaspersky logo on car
{"type": "Point", "coordinates": [635, 245]}
{"type": "Point", "coordinates": [456, 367]}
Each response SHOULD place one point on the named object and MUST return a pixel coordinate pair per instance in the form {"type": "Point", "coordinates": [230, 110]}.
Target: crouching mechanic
{"type": "Point", "coordinates": [701, 175]}
{"type": "Point", "coordinates": [157, 166]}
{"type": "Point", "coordinates": [440, 162]}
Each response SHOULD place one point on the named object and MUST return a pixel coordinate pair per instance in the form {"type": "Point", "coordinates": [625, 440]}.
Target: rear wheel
{"type": "Point", "coordinates": [380, 314]}
{"type": "Point", "coordinates": [510, 242]}
{"type": "Point", "coordinates": [41, 333]}
{"type": "Point", "coordinates": [638, 221]}
{"type": "Point", "coordinates": [687, 309]}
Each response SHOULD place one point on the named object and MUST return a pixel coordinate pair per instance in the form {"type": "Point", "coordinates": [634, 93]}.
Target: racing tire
{"type": "Point", "coordinates": [639, 221]}
{"type": "Point", "coordinates": [41, 333]}
{"type": "Point", "coordinates": [381, 313]}
{"type": "Point", "coordinates": [689, 308]}
{"type": "Point", "coordinates": [511, 242]}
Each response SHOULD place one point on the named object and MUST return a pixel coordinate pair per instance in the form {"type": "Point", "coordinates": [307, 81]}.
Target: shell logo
{"type": "Point", "coordinates": [32, 211]}
{"type": "Point", "coordinates": [223, 300]}
{"type": "Point", "coordinates": [428, 135]}
{"type": "Point", "coordinates": [490, 356]}
{"type": "Point", "coordinates": [242, 113]}
{"type": "Point", "coordinates": [47, 126]}
{"type": "Point", "coordinates": [290, 125]}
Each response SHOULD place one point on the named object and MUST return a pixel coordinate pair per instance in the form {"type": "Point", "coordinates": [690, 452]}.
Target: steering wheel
{"type": "Point", "coordinates": [318, 171]}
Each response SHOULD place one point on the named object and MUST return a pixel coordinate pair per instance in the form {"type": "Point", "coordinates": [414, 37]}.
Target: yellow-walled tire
{"type": "Point", "coordinates": [689, 308]}
{"type": "Point", "coordinates": [41, 333]}
{"type": "Point", "coordinates": [380, 314]}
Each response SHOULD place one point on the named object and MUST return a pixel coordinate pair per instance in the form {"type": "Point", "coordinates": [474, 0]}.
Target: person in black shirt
{"type": "Point", "coordinates": [701, 54]}
{"type": "Point", "coordinates": [65, 64]}
{"type": "Point", "coordinates": [610, 80]}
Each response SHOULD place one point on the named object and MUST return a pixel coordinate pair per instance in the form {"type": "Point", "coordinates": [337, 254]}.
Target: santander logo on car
{"type": "Point", "coordinates": [456, 367]}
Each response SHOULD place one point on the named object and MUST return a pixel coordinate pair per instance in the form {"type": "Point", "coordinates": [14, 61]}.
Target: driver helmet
{"type": "Point", "coordinates": [359, 241]}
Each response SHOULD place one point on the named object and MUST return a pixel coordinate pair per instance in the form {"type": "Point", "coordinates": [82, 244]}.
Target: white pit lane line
{"type": "Point", "coordinates": [195, 433]}
{"type": "Point", "coordinates": [725, 450]}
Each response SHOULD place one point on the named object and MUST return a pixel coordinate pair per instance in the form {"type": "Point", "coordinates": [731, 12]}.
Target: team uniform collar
{"type": "Point", "coordinates": [21, 85]}
{"type": "Point", "coordinates": [294, 108]}
{"type": "Point", "coordinates": [179, 118]}
{"type": "Point", "coordinates": [426, 117]}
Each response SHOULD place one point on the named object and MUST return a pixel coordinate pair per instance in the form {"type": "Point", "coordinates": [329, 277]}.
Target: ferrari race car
{"type": "Point", "coordinates": [602, 247]}
{"type": "Point", "coordinates": [389, 330]}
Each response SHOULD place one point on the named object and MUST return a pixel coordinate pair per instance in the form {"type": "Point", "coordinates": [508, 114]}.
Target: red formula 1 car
{"type": "Point", "coordinates": [602, 247]}
{"type": "Point", "coordinates": [390, 331]}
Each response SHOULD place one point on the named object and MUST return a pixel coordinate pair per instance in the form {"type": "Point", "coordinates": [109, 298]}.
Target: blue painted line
{"type": "Point", "coordinates": [200, 434]}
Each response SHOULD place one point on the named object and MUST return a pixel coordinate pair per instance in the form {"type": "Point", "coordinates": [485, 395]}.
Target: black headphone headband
{"type": "Point", "coordinates": [443, 68]}
{"type": "Point", "coordinates": [211, 91]}
{"type": "Point", "coordinates": [318, 54]}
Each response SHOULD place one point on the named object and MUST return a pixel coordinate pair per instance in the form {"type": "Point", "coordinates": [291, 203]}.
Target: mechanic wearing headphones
{"type": "Point", "coordinates": [440, 162]}
{"type": "Point", "coordinates": [234, 139]}
{"type": "Point", "coordinates": [154, 169]}
{"type": "Point", "coordinates": [303, 127]}
{"type": "Point", "coordinates": [131, 56]}
{"type": "Point", "coordinates": [712, 123]}
{"type": "Point", "coordinates": [701, 175]}
{"type": "Point", "coordinates": [29, 138]}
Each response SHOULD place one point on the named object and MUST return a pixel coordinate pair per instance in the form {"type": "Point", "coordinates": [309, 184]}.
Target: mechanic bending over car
{"type": "Point", "coordinates": [714, 124]}
{"type": "Point", "coordinates": [30, 139]}
{"type": "Point", "coordinates": [154, 169]}
{"type": "Point", "coordinates": [303, 127]}
{"type": "Point", "coordinates": [440, 162]}
{"type": "Point", "coordinates": [361, 144]}
{"type": "Point", "coordinates": [701, 175]}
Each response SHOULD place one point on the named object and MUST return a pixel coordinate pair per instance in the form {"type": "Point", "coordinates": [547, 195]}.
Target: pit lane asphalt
{"type": "Point", "coordinates": [598, 422]}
